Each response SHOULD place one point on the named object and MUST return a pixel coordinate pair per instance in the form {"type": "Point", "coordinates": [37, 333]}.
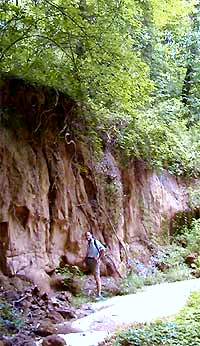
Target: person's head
{"type": "Point", "coordinates": [88, 235]}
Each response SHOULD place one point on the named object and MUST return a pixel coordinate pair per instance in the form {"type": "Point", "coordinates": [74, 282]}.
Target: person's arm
{"type": "Point", "coordinates": [101, 249]}
{"type": "Point", "coordinates": [101, 252]}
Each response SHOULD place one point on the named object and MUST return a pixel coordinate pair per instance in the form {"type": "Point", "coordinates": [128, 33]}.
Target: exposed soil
{"type": "Point", "coordinates": [36, 315]}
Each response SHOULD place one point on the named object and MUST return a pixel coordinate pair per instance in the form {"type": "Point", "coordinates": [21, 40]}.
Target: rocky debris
{"type": "Point", "coordinates": [162, 266]}
{"type": "Point", "coordinates": [74, 285]}
{"type": "Point", "coordinates": [54, 316]}
{"type": "Point", "coordinates": [64, 296]}
{"type": "Point", "coordinates": [46, 316]}
{"type": "Point", "coordinates": [38, 315]}
{"type": "Point", "coordinates": [53, 340]}
{"type": "Point", "coordinates": [45, 328]}
{"type": "Point", "coordinates": [5, 342]}
{"type": "Point", "coordinates": [191, 258]}
{"type": "Point", "coordinates": [23, 340]}
{"type": "Point", "coordinates": [67, 313]}
{"type": "Point", "coordinates": [57, 282]}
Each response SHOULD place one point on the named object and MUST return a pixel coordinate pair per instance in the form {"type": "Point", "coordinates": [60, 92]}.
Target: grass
{"type": "Point", "coordinates": [176, 270]}
{"type": "Point", "coordinates": [80, 299]}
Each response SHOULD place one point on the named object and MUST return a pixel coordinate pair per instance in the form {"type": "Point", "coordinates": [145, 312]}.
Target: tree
{"type": "Point", "coordinates": [83, 49]}
{"type": "Point", "coordinates": [190, 90]}
{"type": "Point", "coordinates": [126, 61]}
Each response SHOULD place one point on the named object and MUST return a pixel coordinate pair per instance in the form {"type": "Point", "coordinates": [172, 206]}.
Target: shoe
{"type": "Point", "coordinates": [99, 297]}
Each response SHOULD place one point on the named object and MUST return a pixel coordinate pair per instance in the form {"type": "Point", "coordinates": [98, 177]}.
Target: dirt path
{"type": "Point", "coordinates": [153, 302]}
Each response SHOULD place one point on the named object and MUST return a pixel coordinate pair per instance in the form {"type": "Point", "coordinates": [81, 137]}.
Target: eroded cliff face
{"type": "Point", "coordinates": [152, 200]}
{"type": "Point", "coordinates": [52, 193]}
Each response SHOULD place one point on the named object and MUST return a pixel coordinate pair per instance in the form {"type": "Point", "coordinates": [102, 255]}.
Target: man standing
{"type": "Point", "coordinates": [95, 251]}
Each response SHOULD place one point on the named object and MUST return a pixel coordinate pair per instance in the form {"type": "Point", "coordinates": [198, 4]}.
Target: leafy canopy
{"type": "Point", "coordinates": [83, 49]}
{"type": "Point", "coordinates": [134, 63]}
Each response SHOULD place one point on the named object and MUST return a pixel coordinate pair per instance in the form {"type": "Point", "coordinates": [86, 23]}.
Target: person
{"type": "Point", "coordinates": [95, 250]}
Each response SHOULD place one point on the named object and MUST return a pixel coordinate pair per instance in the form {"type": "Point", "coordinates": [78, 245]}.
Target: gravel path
{"type": "Point", "coordinates": [153, 302]}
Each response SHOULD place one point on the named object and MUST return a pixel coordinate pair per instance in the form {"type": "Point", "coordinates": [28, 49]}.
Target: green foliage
{"type": "Point", "coordinates": [170, 267]}
{"type": "Point", "coordinates": [186, 242]}
{"type": "Point", "coordinates": [194, 197]}
{"type": "Point", "coordinates": [181, 272]}
{"type": "Point", "coordinates": [69, 271]}
{"type": "Point", "coordinates": [72, 280]}
{"type": "Point", "coordinates": [160, 137]}
{"type": "Point", "coordinates": [168, 11]}
{"type": "Point", "coordinates": [81, 48]}
{"type": "Point", "coordinates": [132, 64]}
{"type": "Point", "coordinates": [191, 310]}
{"type": "Point", "coordinates": [161, 333]}
{"type": "Point", "coordinates": [190, 235]}
{"type": "Point", "coordinates": [112, 190]}
{"type": "Point", "coordinates": [172, 256]}
{"type": "Point", "coordinates": [80, 299]}
{"type": "Point", "coordinates": [10, 318]}
{"type": "Point", "coordinates": [130, 284]}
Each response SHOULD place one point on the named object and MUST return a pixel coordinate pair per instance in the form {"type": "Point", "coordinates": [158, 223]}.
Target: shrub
{"type": "Point", "coordinates": [173, 268]}
{"type": "Point", "coordinates": [191, 236]}
{"type": "Point", "coordinates": [73, 277]}
{"type": "Point", "coordinates": [130, 284]}
{"type": "Point", "coordinates": [160, 333]}
{"type": "Point", "coordinates": [10, 318]}
{"type": "Point", "coordinates": [191, 310]}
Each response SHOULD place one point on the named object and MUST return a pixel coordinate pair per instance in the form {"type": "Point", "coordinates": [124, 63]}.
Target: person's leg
{"type": "Point", "coordinates": [97, 277]}
{"type": "Point", "coordinates": [98, 283]}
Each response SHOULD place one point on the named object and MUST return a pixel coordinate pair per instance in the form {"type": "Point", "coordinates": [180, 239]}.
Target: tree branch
{"type": "Point", "coordinates": [66, 15]}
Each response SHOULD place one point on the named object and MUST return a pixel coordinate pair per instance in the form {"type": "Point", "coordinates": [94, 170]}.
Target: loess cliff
{"type": "Point", "coordinates": [52, 191]}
